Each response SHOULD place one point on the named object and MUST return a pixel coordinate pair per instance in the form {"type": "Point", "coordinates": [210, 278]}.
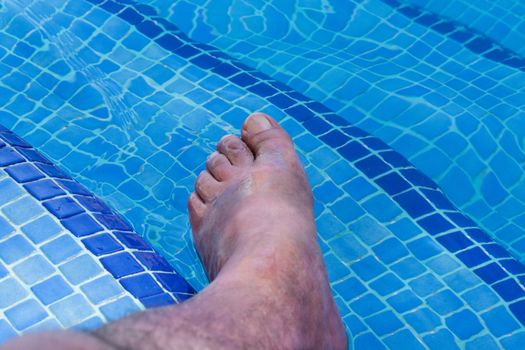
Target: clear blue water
{"type": "Point", "coordinates": [106, 91]}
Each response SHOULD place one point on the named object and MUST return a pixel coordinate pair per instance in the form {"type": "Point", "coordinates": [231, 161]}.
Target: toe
{"type": "Point", "coordinates": [207, 187]}
{"type": "Point", "coordinates": [196, 208]}
{"type": "Point", "coordinates": [219, 166]}
{"type": "Point", "coordinates": [235, 150]}
{"type": "Point", "coordinates": [265, 136]}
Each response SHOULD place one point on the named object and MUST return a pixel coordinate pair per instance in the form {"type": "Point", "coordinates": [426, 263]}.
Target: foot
{"type": "Point", "coordinates": [252, 220]}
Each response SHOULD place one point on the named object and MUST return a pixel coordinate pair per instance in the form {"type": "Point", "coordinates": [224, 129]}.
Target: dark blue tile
{"type": "Point", "coordinates": [113, 222]}
{"type": "Point", "coordinates": [132, 240]}
{"type": "Point", "coordinates": [81, 225]}
{"type": "Point", "coordinates": [473, 257]}
{"type": "Point", "coordinates": [372, 166]}
{"type": "Point", "coordinates": [174, 283]}
{"type": "Point", "coordinates": [461, 36]}
{"type": "Point", "coordinates": [415, 204]}
{"type": "Point", "coordinates": [52, 170]}
{"type": "Point", "coordinates": [131, 16]}
{"type": "Point", "coordinates": [334, 138]}
{"type": "Point", "coordinates": [44, 189]}
{"type": "Point", "coordinates": [509, 290]}
{"type": "Point", "coordinates": [393, 183]}
{"type": "Point", "coordinates": [496, 251]}
{"type": "Point", "coordinates": [435, 224]}
{"type": "Point", "coordinates": [169, 42]}
{"type": "Point", "coordinates": [417, 178]}
{"type": "Point", "coordinates": [410, 11]}
{"type": "Point", "coordinates": [243, 79]}
{"type": "Point", "coordinates": [24, 172]}
{"type": "Point", "coordinates": [93, 204]}
{"type": "Point", "coordinates": [317, 126]}
{"type": "Point", "coordinates": [186, 51]}
{"type": "Point", "coordinates": [513, 266]}
{"type": "Point", "coordinates": [149, 28]}
{"type": "Point", "coordinates": [455, 241]}
{"type": "Point", "coordinates": [353, 150]}
{"type": "Point", "coordinates": [73, 187]}
{"type": "Point", "coordinates": [157, 300]}
{"type": "Point", "coordinates": [205, 61]}
{"type": "Point", "coordinates": [63, 207]}
{"type": "Point", "coordinates": [478, 235]}
{"type": "Point", "coordinates": [121, 264]}
{"type": "Point", "coordinates": [8, 157]}
{"type": "Point", "coordinates": [444, 27]}
{"type": "Point", "coordinates": [263, 90]}
{"type": "Point", "coordinates": [300, 113]}
{"type": "Point", "coordinates": [518, 309]}
{"type": "Point", "coordinates": [394, 159]}
{"type": "Point", "coordinates": [226, 70]}
{"type": "Point", "coordinates": [153, 261]}
{"type": "Point", "coordinates": [110, 6]}
{"type": "Point", "coordinates": [14, 140]}
{"type": "Point", "coordinates": [480, 45]}
{"type": "Point", "coordinates": [141, 286]}
{"type": "Point", "coordinates": [491, 273]}
{"type": "Point", "coordinates": [102, 244]}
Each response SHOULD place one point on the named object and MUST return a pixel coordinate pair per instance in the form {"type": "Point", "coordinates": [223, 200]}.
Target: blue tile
{"type": "Point", "coordinates": [61, 248]}
{"type": "Point", "coordinates": [424, 248]}
{"type": "Point", "coordinates": [425, 285]}
{"type": "Point", "coordinates": [72, 310]}
{"type": "Point", "coordinates": [435, 224]}
{"type": "Point", "coordinates": [349, 288]}
{"type": "Point", "coordinates": [408, 268]}
{"type": "Point", "coordinates": [366, 305]}
{"type": "Point", "coordinates": [491, 273]}
{"type": "Point", "coordinates": [152, 261]}
{"type": "Point", "coordinates": [15, 248]}
{"type": "Point", "coordinates": [25, 314]}
{"type": "Point", "coordinates": [455, 241]}
{"type": "Point", "coordinates": [41, 229]}
{"type": "Point", "coordinates": [509, 290]}
{"type": "Point", "coordinates": [415, 204]}
{"type": "Point", "coordinates": [174, 283]}
{"type": "Point", "coordinates": [22, 210]}
{"type": "Point", "coordinates": [51, 290]}
{"type": "Point", "coordinates": [464, 324]}
{"type": "Point", "coordinates": [11, 292]}
{"type": "Point", "coordinates": [24, 172]}
{"type": "Point", "coordinates": [102, 244]}
{"type": "Point", "coordinates": [81, 225]}
{"type": "Point", "coordinates": [141, 285]}
{"type": "Point", "coordinates": [10, 190]}
{"type": "Point", "coordinates": [63, 207]}
{"type": "Point", "coordinates": [121, 264]}
{"type": "Point", "coordinates": [8, 157]}
{"type": "Point", "coordinates": [384, 323]}
{"type": "Point", "coordinates": [101, 289]}
{"type": "Point", "coordinates": [119, 308]}
{"type": "Point", "coordinates": [44, 189]}
{"type": "Point", "coordinates": [157, 300]}
{"type": "Point", "coordinates": [473, 257]}
{"type": "Point", "coordinates": [113, 222]}
{"type": "Point", "coordinates": [369, 230]}
{"type": "Point", "coordinates": [387, 284]}
{"type": "Point", "coordinates": [33, 269]}
{"type": "Point", "coordinates": [80, 269]}
{"type": "Point", "coordinates": [5, 228]}
{"type": "Point", "coordinates": [444, 302]}
{"type": "Point", "coordinates": [132, 240]}
{"type": "Point", "coordinates": [368, 341]}
{"type": "Point", "coordinates": [500, 321]}
{"type": "Point", "coordinates": [390, 250]}
{"type": "Point", "coordinates": [423, 320]}
{"type": "Point", "coordinates": [6, 331]}
{"type": "Point", "coordinates": [441, 339]}
{"type": "Point", "coordinates": [404, 340]}
{"type": "Point", "coordinates": [368, 268]}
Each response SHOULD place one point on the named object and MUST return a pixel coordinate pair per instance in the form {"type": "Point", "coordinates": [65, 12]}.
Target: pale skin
{"type": "Point", "coordinates": [253, 226]}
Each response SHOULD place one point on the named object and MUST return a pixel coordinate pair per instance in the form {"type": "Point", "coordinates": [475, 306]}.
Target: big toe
{"type": "Point", "coordinates": [265, 136]}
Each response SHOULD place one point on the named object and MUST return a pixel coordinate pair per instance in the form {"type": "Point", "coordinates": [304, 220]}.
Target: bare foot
{"type": "Point", "coordinates": [252, 219]}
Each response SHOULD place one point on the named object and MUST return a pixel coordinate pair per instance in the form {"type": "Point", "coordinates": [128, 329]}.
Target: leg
{"type": "Point", "coordinates": [253, 227]}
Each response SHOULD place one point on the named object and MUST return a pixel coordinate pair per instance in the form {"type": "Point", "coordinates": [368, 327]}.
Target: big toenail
{"type": "Point", "coordinates": [257, 122]}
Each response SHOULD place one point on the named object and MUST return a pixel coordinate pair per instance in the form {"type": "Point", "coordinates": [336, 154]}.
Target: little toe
{"type": "Point", "coordinates": [219, 166]}
{"type": "Point", "coordinates": [207, 187]}
{"type": "Point", "coordinates": [235, 150]}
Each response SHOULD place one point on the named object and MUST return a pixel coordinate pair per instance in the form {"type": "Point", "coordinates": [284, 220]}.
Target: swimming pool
{"type": "Point", "coordinates": [130, 97]}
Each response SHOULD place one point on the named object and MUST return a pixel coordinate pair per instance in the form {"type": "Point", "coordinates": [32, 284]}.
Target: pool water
{"type": "Point", "coordinates": [408, 117]}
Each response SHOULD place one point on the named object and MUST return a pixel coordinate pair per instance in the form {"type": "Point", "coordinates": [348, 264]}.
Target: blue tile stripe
{"type": "Point", "coordinates": [132, 262]}
{"type": "Point", "coordinates": [473, 40]}
{"type": "Point", "coordinates": [418, 195]}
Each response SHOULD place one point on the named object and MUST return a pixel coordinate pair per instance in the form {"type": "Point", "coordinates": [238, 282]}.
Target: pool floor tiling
{"type": "Point", "coordinates": [405, 116]}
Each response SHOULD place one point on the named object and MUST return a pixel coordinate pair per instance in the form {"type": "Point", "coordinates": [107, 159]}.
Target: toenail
{"type": "Point", "coordinates": [257, 122]}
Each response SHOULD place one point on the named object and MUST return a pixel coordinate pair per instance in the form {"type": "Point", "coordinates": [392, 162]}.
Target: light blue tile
{"type": "Point", "coordinates": [11, 292]}
{"type": "Point", "coordinates": [80, 269]}
{"type": "Point", "coordinates": [119, 308]}
{"type": "Point", "coordinates": [33, 269]}
{"type": "Point", "coordinates": [41, 229]}
{"type": "Point", "coordinates": [72, 310]}
{"type": "Point", "coordinates": [15, 248]}
{"type": "Point", "coordinates": [26, 314]}
{"type": "Point", "coordinates": [23, 210]}
{"type": "Point", "coordinates": [101, 289]}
